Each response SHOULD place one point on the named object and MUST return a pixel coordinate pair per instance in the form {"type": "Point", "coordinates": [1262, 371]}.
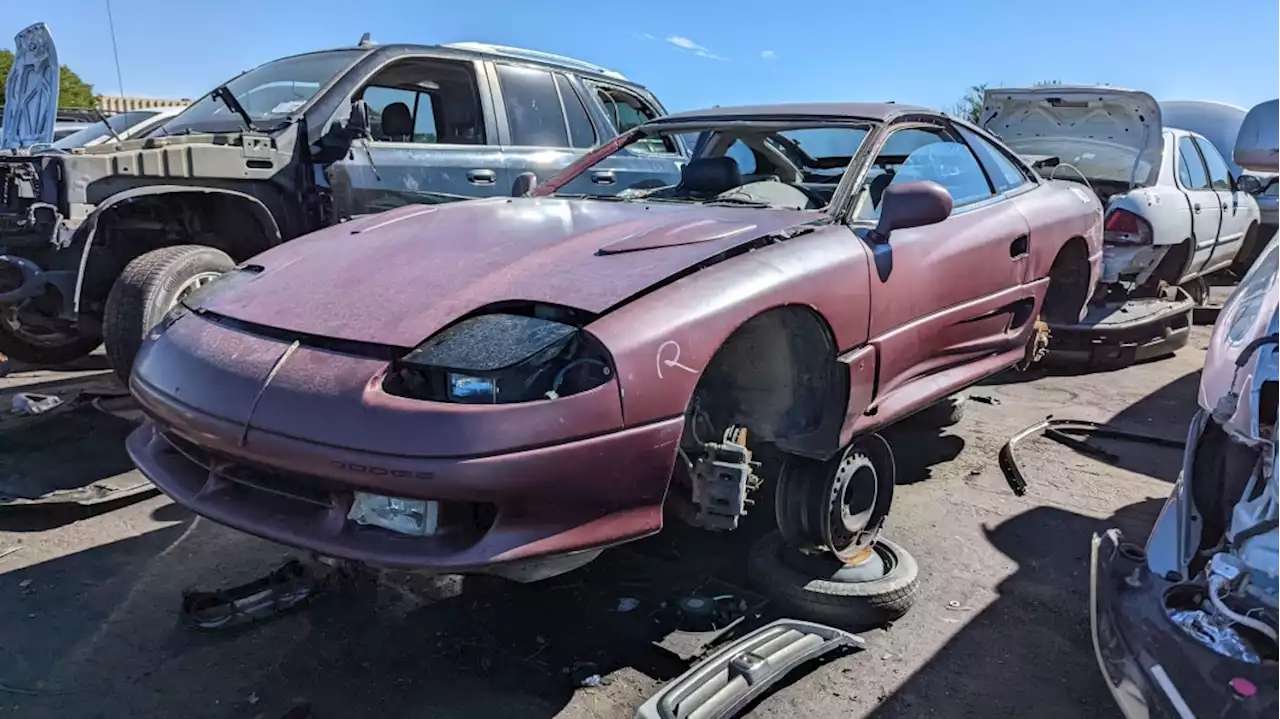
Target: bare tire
{"type": "Point", "coordinates": [810, 588]}
{"type": "Point", "coordinates": [149, 287]}
{"type": "Point", "coordinates": [43, 350]}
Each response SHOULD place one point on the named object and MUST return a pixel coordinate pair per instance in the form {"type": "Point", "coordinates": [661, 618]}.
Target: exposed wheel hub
{"type": "Point", "coordinates": [869, 564]}
{"type": "Point", "coordinates": [837, 506]}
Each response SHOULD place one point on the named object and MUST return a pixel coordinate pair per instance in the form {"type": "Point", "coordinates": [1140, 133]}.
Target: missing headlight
{"type": "Point", "coordinates": [501, 358]}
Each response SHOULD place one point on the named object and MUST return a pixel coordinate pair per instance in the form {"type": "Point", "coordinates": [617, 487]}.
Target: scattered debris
{"type": "Point", "coordinates": [585, 674]}
{"type": "Point", "coordinates": [6, 552]}
{"type": "Point", "coordinates": [24, 585]}
{"type": "Point", "coordinates": [253, 699]}
{"type": "Point", "coordinates": [30, 403]}
{"type": "Point", "coordinates": [984, 399]}
{"type": "Point", "coordinates": [1057, 430]}
{"type": "Point", "coordinates": [953, 604]}
{"type": "Point", "coordinates": [626, 604]}
{"type": "Point", "coordinates": [282, 590]}
{"type": "Point", "coordinates": [591, 681]}
{"type": "Point", "coordinates": [5, 365]}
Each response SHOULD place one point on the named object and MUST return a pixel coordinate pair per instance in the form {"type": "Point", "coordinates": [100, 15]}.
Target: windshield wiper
{"type": "Point", "coordinates": [736, 201]}
{"type": "Point", "coordinates": [223, 93]}
{"type": "Point", "coordinates": [103, 119]}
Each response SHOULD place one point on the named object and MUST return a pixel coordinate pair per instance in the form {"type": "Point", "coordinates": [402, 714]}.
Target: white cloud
{"type": "Point", "coordinates": [685, 43]}
{"type": "Point", "coordinates": [768, 55]}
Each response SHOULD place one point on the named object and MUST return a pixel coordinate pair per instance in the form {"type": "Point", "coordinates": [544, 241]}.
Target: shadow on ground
{"type": "Point", "coordinates": [1039, 620]}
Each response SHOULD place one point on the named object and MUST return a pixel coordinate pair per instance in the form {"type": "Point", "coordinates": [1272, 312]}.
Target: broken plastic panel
{"type": "Point", "coordinates": [722, 684]}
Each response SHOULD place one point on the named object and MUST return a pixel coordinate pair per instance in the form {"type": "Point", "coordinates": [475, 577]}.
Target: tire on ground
{"type": "Point", "coordinates": [850, 605]}
{"type": "Point", "coordinates": [145, 291]}
{"type": "Point", "coordinates": [41, 355]}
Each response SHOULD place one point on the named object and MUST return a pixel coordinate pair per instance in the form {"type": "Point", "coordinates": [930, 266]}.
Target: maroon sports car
{"type": "Point", "coordinates": [508, 386]}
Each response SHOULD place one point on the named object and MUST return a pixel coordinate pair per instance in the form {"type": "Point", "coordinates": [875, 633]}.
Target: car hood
{"type": "Point", "coordinates": [1106, 132]}
{"type": "Point", "coordinates": [398, 277]}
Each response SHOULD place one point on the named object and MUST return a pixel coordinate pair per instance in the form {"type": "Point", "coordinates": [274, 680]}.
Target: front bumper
{"type": "Point", "coordinates": [526, 514]}
{"type": "Point", "coordinates": [1153, 669]}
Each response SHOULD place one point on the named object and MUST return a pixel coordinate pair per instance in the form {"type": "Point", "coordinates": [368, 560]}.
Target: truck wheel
{"type": "Point", "coordinates": [149, 287]}
{"type": "Point", "coordinates": [39, 348]}
{"type": "Point", "coordinates": [878, 590]}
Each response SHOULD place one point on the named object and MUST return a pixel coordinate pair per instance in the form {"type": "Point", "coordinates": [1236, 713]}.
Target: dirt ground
{"type": "Point", "coordinates": [89, 601]}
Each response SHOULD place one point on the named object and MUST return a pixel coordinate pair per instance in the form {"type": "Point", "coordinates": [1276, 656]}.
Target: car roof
{"type": "Point", "coordinates": [482, 51]}
{"type": "Point", "coordinates": [877, 111]}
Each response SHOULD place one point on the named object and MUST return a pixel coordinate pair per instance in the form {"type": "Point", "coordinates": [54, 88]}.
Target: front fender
{"type": "Point", "coordinates": [86, 233]}
{"type": "Point", "coordinates": [663, 341]}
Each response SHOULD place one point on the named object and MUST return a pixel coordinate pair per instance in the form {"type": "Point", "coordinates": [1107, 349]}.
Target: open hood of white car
{"type": "Point", "coordinates": [1104, 132]}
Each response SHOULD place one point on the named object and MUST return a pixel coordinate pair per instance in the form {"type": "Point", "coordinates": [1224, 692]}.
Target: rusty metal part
{"type": "Point", "coordinates": [837, 506]}
{"type": "Point", "coordinates": [1057, 429]}
{"type": "Point", "coordinates": [723, 477]}
{"type": "Point", "coordinates": [1037, 346]}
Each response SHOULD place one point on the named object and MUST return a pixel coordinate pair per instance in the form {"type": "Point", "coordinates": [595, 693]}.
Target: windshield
{"type": "Point", "coordinates": [98, 130]}
{"type": "Point", "coordinates": [268, 93]}
{"type": "Point", "coordinates": [747, 163]}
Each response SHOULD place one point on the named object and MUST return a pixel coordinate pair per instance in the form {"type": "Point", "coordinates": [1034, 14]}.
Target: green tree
{"type": "Point", "coordinates": [969, 106]}
{"type": "Point", "coordinates": [72, 91]}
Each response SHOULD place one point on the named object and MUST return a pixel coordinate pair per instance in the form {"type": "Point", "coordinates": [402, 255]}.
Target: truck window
{"type": "Point", "coordinates": [625, 111]}
{"type": "Point", "coordinates": [425, 101]}
{"type": "Point", "coordinates": [1219, 173]}
{"type": "Point", "coordinates": [582, 133]}
{"type": "Point", "coordinates": [534, 112]}
{"type": "Point", "coordinates": [1191, 172]}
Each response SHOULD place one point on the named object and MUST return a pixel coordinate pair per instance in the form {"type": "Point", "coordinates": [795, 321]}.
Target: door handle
{"type": "Point", "coordinates": [1019, 246]}
{"type": "Point", "coordinates": [603, 177]}
{"type": "Point", "coordinates": [1224, 205]}
{"type": "Point", "coordinates": [482, 177]}
{"type": "Point", "coordinates": [1196, 208]}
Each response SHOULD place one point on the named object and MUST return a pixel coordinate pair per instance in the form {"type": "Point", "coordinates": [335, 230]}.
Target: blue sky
{"type": "Point", "coordinates": [696, 53]}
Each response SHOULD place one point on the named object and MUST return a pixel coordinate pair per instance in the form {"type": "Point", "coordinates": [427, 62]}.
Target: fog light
{"type": "Point", "coordinates": [477, 390]}
{"type": "Point", "coordinates": [415, 517]}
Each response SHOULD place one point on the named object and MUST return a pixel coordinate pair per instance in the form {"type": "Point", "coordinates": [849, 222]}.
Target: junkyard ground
{"type": "Point", "coordinates": [89, 623]}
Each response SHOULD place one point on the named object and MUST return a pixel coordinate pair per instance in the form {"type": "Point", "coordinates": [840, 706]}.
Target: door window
{"type": "Point", "coordinates": [425, 100]}
{"type": "Point", "coordinates": [534, 112]}
{"type": "Point", "coordinates": [627, 111]}
{"type": "Point", "coordinates": [1191, 171]}
{"type": "Point", "coordinates": [397, 115]}
{"type": "Point", "coordinates": [1219, 173]}
{"type": "Point", "coordinates": [924, 153]}
{"type": "Point", "coordinates": [1004, 172]}
{"type": "Point", "coordinates": [582, 133]}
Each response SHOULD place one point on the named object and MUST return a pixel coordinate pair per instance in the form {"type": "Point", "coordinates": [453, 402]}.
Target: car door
{"type": "Point", "coordinates": [1202, 201]}
{"type": "Point", "coordinates": [943, 295]}
{"type": "Point", "coordinates": [1235, 209]}
{"type": "Point", "coordinates": [429, 141]}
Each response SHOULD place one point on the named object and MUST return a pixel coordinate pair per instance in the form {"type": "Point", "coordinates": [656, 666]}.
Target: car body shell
{"type": "Point", "coordinates": [281, 378]}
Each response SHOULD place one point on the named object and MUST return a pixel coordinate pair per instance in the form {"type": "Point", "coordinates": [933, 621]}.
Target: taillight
{"type": "Point", "coordinates": [1125, 228]}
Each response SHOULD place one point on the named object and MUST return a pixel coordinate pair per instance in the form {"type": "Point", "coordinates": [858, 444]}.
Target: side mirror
{"type": "Point", "coordinates": [524, 184]}
{"type": "Point", "coordinates": [1249, 184]}
{"type": "Point", "coordinates": [911, 204]}
{"type": "Point", "coordinates": [358, 124]}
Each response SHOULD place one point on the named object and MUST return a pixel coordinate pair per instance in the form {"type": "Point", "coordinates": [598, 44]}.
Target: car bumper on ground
{"type": "Point", "coordinates": [1119, 333]}
{"type": "Point", "coordinates": [526, 514]}
{"type": "Point", "coordinates": [1153, 669]}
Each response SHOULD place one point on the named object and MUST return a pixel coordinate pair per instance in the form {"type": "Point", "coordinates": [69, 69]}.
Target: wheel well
{"type": "Point", "coordinates": [777, 376]}
{"type": "Point", "coordinates": [231, 223]}
{"type": "Point", "coordinates": [1173, 265]}
{"type": "Point", "coordinates": [1069, 288]}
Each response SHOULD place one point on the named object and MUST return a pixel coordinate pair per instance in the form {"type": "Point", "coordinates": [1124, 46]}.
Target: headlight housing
{"type": "Point", "coordinates": [501, 358]}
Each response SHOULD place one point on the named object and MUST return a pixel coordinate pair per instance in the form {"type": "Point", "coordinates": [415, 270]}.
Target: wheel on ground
{"type": "Point", "coordinates": [34, 346]}
{"type": "Point", "coordinates": [149, 287]}
{"type": "Point", "coordinates": [876, 588]}
{"type": "Point", "coordinates": [837, 505]}
{"type": "Point", "coordinates": [944, 413]}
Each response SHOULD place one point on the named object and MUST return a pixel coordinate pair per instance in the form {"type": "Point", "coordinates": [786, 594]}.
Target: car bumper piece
{"type": "Point", "coordinates": [719, 686]}
{"type": "Point", "coordinates": [1120, 333]}
{"type": "Point", "coordinates": [1152, 668]}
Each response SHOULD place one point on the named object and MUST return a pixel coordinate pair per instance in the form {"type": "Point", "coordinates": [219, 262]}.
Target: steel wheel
{"type": "Point", "coordinates": [837, 506]}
